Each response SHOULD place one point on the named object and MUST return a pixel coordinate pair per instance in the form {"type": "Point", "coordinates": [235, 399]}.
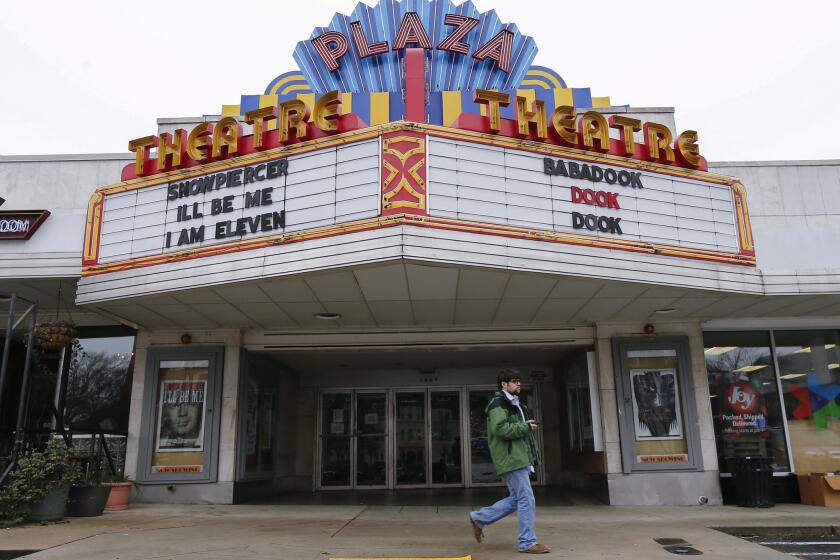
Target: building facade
{"type": "Point", "coordinates": [325, 279]}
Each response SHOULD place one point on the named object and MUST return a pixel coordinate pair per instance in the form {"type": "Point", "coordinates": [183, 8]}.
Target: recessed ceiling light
{"type": "Point", "coordinates": [328, 316]}
{"type": "Point", "coordinates": [665, 310]}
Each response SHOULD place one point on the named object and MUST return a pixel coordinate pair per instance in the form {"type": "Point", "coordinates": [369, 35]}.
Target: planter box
{"type": "Point", "coordinates": [87, 501]}
{"type": "Point", "coordinates": [118, 497]}
{"type": "Point", "coordinates": [52, 507]}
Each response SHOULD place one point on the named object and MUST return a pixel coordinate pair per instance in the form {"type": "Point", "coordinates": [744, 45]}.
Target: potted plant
{"type": "Point", "coordinates": [87, 494]}
{"type": "Point", "coordinates": [120, 491]}
{"type": "Point", "coordinates": [38, 486]}
{"type": "Point", "coordinates": [54, 335]}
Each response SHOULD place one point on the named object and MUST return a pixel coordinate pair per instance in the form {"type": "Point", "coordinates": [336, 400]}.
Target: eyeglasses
{"type": "Point", "coordinates": [515, 382]}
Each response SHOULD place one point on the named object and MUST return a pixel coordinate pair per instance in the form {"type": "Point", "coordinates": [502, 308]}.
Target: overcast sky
{"type": "Point", "coordinates": [759, 80]}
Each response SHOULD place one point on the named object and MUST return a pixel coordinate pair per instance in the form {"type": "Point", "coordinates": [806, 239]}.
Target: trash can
{"type": "Point", "coordinates": [753, 481]}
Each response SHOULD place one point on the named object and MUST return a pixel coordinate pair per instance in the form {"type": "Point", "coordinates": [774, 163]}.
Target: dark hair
{"type": "Point", "coordinates": [506, 376]}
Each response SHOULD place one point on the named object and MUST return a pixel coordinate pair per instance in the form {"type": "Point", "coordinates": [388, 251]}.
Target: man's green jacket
{"type": "Point", "coordinates": [511, 440]}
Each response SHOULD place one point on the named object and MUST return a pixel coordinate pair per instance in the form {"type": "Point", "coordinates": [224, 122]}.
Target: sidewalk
{"type": "Point", "coordinates": [320, 532]}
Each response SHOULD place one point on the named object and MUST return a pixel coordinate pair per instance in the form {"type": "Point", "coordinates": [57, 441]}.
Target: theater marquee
{"type": "Point", "coordinates": [428, 119]}
{"type": "Point", "coordinates": [422, 175]}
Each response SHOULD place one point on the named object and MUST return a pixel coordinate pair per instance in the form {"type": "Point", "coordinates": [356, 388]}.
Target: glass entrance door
{"type": "Point", "coordinates": [410, 435]}
{"type": "Point", "coordinates": [336, 440]}
{"type": "Point", "coordinates": [427, 438]}
{"type": "Point", "coordinates": [407, 438]}
{"type": "Point", "coordinates": [371, 439]}
{"type": "Point", "coordinates": [446, 446]}
{"type": "Point", "coordinates": [354, 439]}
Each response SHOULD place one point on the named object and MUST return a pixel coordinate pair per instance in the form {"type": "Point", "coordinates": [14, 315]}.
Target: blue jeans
{"type": "Point", "coordinates": [520, 500]}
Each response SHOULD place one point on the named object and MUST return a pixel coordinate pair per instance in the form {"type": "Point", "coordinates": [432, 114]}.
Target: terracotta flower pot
{"type": "Point", "coordinates": [118, 498]}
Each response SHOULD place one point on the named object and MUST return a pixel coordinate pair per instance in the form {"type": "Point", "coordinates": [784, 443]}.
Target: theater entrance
{"type": "Point", "coordinates": [407, 437]}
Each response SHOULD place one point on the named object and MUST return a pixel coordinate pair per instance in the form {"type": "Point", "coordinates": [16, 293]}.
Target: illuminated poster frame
{"type": "Point", "coordinates": [159, 360]}
{"type": "Point", "coordinates": [691, 458]}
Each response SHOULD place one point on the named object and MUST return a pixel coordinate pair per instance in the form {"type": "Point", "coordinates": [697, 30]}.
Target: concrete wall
{"type": "Point", "coordinates": [666, 488]}
{"type": "Point", "coordinates": [795, 211]}
{"type": "Point", "coordinates": [63, 185]}
{"type": "Point", "coordinates": [217, 492]}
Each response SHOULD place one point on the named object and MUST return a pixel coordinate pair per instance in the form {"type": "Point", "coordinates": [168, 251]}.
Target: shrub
{"type": "Point", "coordinates": [35, 475]}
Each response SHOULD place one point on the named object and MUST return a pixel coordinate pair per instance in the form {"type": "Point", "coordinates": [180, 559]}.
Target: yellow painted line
{"type": "Point", "coordinates": [468, 557]}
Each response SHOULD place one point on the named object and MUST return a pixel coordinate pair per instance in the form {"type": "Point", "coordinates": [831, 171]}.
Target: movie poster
{"type": "Point", "coordinates": [181, 416]}
{"type": "Point", "coordinates": [656, 404]}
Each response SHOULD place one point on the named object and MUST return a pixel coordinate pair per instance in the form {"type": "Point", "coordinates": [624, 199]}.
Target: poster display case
{"type": "Point", "coordinates": [656, 406]}
{"type": "Point", "coordinates": [180, 421]}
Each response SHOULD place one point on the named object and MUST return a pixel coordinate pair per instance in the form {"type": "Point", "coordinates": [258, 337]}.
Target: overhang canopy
{"type": "Point", "coordinates": [413, 294]}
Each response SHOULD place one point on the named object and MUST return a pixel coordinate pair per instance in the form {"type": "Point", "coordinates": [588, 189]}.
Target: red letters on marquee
{"type": "Point", "coordinates": [603, 199]}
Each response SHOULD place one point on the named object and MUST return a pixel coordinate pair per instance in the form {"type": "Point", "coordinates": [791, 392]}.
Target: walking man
{"type": "Point", "coordinates": [513, 448]}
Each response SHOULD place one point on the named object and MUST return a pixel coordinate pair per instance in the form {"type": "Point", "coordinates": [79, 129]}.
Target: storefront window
{"type": "Point", "coordinates": [809, 369]}
{"type": "Point", "coordinates": [745, 398]}
{"type": "Point", "coordinates": [259, 425]}
{"type": "Point", "coordinates": [99, 384]}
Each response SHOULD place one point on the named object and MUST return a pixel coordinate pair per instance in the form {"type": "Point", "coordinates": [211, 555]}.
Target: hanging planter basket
{"type": "Point", "coordinates": [54, 336]}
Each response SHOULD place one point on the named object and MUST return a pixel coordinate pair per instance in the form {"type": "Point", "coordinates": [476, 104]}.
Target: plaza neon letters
{"type": "Point", "coordinates": [333, 45]}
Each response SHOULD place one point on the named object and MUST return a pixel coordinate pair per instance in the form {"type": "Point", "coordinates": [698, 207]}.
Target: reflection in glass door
{"type": "Point", "coordinates": [371, 439]}
{"type": "Point", "coordinates": [336, 439]}
{"type": "Point", "coordinates": [482, 470]}
{"type": "Point", "coordinates": [445, 416]}
{"type": "Point", "coordinates": [354, 439]}
{"type": "Point", "coordinates": [427, 438]}
{"type": "Point", "coordinates": [410, 436]}
{"type": "Point", "coordinates": [481, 465]}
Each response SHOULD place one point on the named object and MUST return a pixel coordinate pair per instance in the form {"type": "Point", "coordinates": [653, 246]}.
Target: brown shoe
{"type": "Point", "coordinates": [537, 549]}
{"type": "Point", "coordinates": [477, 532]}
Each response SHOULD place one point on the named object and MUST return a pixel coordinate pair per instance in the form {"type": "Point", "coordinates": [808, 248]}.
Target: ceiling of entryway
{"type": "Point", "coordinates": [406, 294]}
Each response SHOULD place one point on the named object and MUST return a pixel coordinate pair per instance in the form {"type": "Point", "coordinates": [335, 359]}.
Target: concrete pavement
{"type": "Point", "coordinates": [319, 532]}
